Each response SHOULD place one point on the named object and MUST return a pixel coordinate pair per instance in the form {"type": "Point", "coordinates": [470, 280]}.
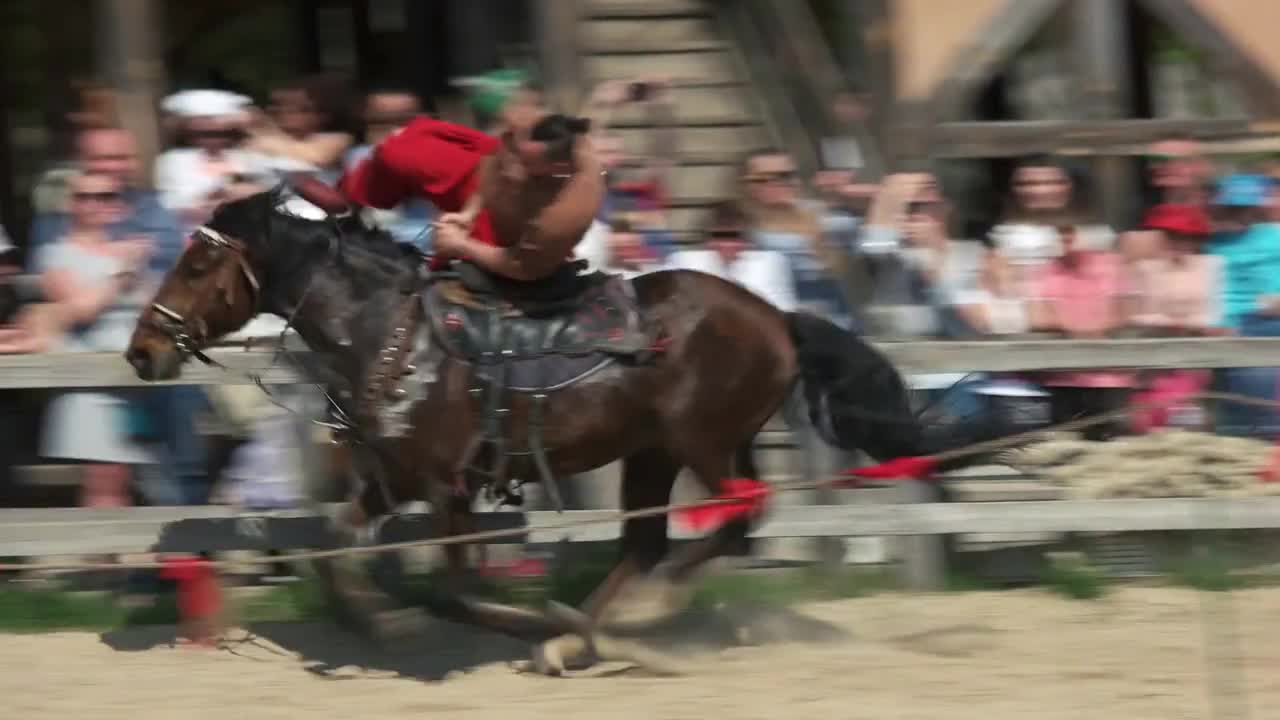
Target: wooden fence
{"type": "Point", "coordinates": [187, 529]}
{"type": "Point", "coordinates": [74, 531]}
{"type": "Point", "coordinates": [109, 370]}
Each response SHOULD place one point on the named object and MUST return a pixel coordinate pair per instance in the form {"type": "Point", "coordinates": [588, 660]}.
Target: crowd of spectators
{"type": "Point", "coordinates": [881, 258]}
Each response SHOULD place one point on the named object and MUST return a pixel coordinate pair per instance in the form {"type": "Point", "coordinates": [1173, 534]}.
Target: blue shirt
{"type": "Point", "coordinates": [814, 286]}
{"type": "Point", "coordinates": [1251, 268]}
{"type": "Point", "coordinates": [146, 217]}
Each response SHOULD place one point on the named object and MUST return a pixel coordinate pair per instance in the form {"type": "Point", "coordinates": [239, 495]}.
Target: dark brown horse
{"type": "Point", "coordinates": [723, 362]}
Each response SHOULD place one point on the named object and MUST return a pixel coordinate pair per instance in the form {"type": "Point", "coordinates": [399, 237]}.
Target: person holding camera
{"type": "Point", "coordinates": [636, 185]}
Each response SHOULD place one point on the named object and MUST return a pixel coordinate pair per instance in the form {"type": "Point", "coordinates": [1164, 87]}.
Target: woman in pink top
{"type": "Point", "coordinates": [1179, 293]}
{"type": "Point", "coordinates": [1179, 290]}
{"type": "Point", "coordinates": [1084, 294]}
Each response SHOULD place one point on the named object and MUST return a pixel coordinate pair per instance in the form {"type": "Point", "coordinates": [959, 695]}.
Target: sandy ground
{"type": "Point", "coordinates": [1139, 653]}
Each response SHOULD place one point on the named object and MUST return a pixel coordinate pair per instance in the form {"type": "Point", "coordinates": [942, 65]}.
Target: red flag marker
{"type": "Point", "coordinates": [1271, 473]}
{"type": "Point", "coordinates": [199, 597]}
{"type": "Point", "coordinates": [896, 469]}
{"type": "Point", "coordinates": [738, 497]}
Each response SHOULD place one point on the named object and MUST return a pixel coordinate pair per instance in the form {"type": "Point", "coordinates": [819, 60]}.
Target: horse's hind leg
{"type": "Point", "coordinates": [647, 479]}
{"type": "Point", "coordinates": [668, 589]}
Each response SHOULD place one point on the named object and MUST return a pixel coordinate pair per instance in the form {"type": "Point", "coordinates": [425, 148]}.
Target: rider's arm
{"type": "Point", "coordinates": [521, 261]}
{"type": "Point", "coordinates": [471, 209]}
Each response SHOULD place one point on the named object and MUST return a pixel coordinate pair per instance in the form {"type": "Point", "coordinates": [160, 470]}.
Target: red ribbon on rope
{"type": "Point", "coordinates": [199, 596]}
{"type": "Point", "coordinates": [738, 497]}
{"type": "Point", "coordinates": [903, 468]}
{"type": "Point", "coordinates": [1271, 473]}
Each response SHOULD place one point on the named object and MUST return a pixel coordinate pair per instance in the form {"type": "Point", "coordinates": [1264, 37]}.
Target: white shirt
{"type": "Point", "coordinates": [764, 272]}
{"type": "Point", "coordinates": [1024, 243]}
{"type": "Point", "coordinates": [594, 246]}
{"type": "Point", "coordinates": [183, 180]}
{"type": "Point", "coordinates": [1029, 247]}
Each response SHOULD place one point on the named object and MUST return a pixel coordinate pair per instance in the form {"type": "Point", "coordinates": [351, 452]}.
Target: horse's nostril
{"type": "Point", "coordinates": [140, 360]}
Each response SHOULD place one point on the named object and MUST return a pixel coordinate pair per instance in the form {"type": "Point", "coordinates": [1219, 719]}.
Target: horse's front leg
{"type": "Point", "coordinates": [455, 516]}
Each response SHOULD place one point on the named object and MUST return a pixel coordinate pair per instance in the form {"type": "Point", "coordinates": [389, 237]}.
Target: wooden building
{"type": "Point", "coordinates": [970, 84]}
{"type": "Point", "coordinates": [965, 85]}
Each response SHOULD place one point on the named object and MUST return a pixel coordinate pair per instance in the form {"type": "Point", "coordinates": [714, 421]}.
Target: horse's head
{"type": "Point", "coordinates": [214, 290]}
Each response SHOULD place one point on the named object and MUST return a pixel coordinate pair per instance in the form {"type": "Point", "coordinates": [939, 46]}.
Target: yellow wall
{"type": "Point", "coordinates": [929, 35]}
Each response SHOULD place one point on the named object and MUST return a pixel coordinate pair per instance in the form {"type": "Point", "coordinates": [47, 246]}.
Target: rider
{"type": "Point", "coordinates": [515, 205]}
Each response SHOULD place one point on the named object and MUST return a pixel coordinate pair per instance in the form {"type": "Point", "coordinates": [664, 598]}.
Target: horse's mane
{"type": "Point", "coordinates": [250, 218]}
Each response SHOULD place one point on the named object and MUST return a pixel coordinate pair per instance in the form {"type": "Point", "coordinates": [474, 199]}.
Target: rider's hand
{"type": "Point", "coordinates": [450, 239]}
{"type": "Point", "coordinates": [458, 219]}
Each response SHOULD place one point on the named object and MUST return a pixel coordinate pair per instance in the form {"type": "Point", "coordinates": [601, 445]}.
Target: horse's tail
{"type": "Point", "coordinates": [857, 400]}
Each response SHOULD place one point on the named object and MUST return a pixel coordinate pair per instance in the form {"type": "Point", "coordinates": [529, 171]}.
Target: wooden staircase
{"type": "Point", "coordinates": [718, 117]}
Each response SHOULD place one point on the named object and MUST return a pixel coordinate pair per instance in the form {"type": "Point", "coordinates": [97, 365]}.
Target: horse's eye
{"type": "Point", "coordinates": [201, 261]}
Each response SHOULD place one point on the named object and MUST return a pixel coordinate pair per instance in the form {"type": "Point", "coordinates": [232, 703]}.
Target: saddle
{"type": "Point", "coordinates": [532, 338]}
{"type": "Point", "coordinates": [546, 334]}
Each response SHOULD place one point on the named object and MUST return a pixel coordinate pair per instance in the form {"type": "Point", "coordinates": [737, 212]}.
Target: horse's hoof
{"type": "Point", "coordinates": [547, 659]}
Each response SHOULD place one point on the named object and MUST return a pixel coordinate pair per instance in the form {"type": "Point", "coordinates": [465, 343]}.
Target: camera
{"type": "Point", "coordinates": [15, 292]}
{"type": "Point", "coordinates": [639, 91]}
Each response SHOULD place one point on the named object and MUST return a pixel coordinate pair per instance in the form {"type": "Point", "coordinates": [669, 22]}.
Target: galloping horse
{"type": "Point", "coordinates": [455, 385]}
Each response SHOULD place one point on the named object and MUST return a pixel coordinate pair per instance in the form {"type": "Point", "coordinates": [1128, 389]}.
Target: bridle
{"type": "Point", "coordinates": [191, 340]}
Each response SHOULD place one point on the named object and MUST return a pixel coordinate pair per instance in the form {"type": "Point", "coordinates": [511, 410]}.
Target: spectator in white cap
{"type": "Point", "coordinates": [210, 165]}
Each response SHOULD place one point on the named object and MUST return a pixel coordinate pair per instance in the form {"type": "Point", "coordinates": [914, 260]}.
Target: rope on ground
{"type": "Point", "coordinates": [848, 478]}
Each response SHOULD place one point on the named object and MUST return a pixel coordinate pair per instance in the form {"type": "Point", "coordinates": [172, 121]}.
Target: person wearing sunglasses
{"type": "Point", "coordinates": [386, 111]}
{"type": "Point", "coordinates": [211, 164]}
{"type": "Point", "coordinates": [779, 218]}
{"type": "Point", "coordinates": [727, 252]}
{"type": "Point", "coordinates": [98, 286]}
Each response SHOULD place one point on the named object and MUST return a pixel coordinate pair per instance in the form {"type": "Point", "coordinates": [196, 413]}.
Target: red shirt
{"type": "Point", "coordinates": [428, 158]}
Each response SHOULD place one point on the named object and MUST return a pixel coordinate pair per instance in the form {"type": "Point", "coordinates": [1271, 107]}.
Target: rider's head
{"type": "Point", "coordinates": [545, 147]}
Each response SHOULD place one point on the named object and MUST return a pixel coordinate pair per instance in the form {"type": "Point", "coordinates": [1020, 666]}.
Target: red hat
{"type": "Point", "coordinates": [1181, 219]}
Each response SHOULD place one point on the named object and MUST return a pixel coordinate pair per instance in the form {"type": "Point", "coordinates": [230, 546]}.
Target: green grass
{"type": "Point", "coordinates": [961, 581]}
{"type": "Point", "coordinates": [46, 610]}
{"type": "Point", "coordinates": [1071, 575]}
{"type": "Point", "coordinates": [1068, 574]}
{"type": "Point", "coordinates": [1204, 569]}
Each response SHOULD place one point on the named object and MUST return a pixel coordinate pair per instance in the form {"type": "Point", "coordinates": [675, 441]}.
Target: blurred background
{"type": "Point", "coordinates": [909, 168]}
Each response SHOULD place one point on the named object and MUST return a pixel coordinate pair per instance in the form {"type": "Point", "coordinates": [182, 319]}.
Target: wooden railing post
{"type": "Point", "coordinates": [1102, 56]}
{"type": "Point", "coordinates": [556, 27]}
{"type": "Point", "coordinates": [128, 50]}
